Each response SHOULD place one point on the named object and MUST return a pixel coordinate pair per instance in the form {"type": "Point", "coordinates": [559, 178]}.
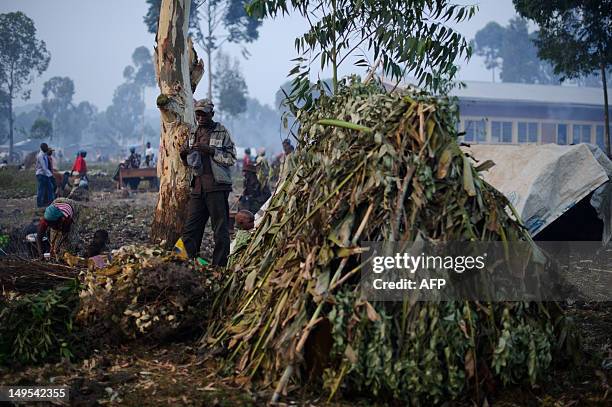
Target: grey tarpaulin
{"type": "Point", "coordinates": [543, 181]}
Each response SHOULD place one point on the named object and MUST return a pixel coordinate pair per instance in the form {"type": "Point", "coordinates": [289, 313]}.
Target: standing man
{"type": "Point", "coordinates": [44, 193]}
{"type": "Point", "coordinates": [149, 154]}
{"type": "Point", "coordinates": [210, 153]}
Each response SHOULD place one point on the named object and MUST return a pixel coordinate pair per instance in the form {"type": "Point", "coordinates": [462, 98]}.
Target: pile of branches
{"type": "Point", "coordinates": [39, 327]}
{"type": "Point", "coordinates": [21, 276]}
{"type": "Point", "coordinates": [147, 293]}
{"type": "Point", "coordinates": [376, 167]}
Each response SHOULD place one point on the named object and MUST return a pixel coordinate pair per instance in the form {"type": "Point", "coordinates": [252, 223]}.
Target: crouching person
{"type": "Point", "coordinates": [209, 154]}
{"type": "Point", "coordinates": [62, 219]}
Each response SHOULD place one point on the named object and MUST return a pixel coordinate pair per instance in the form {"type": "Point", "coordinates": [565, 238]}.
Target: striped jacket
{"type": "Point", "coordinates": [225, 153]}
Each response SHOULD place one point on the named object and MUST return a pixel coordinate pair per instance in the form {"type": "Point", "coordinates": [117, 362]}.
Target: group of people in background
{"type": "Point", "coordinates": [209, 154]}
{"type": "Point", "coordinates": [51, 182]}
{"type": "Point", "coordinates": [260, 175]}
{"type": "Point", "coordinates": [134, 160]}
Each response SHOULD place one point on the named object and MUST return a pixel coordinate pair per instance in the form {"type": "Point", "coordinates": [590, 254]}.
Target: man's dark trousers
{"type": "Point", "coordinates": [202, 206]}
{"type": "Point", "coordinates": [44, 193]}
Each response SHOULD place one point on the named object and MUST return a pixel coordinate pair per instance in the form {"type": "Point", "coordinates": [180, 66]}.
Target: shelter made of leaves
{"type": "Point", "coordinates": [372, 166]}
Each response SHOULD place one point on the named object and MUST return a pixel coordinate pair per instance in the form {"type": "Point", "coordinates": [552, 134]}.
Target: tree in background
{"type": "Point", "coordinates": [212, 23]}
{"type": "Point", "coordinates": [57, 103]}
{"type": "Point", "coordinates": [230, 87]}
{"type": "Point", "coordinates": [576, 37]}
{"type": "Point", "coordinates": [4, 116]}
{"type": "Point", "coordinates": [512, 49]}
{"type": "Point", "coordinates": [22, 57]}
{"type": "Point", "coordinates": [488, 43]}
{"type": "Point", "coordinates": [144, 73]}
{"type": "Point", "coordinates": [520, 56]}
{"type": "Point", "coordinates": [141, 74]}
{"type": "Point", "coordinates": [126, 110]}
{"type": "Point", "coordinates": [42, 129]}
{"type": "Point", "coordinates": [79, 120]}
{"type": "Point", "coordinates": [68, 120]}
{"type": "Point", "coordinates": [405, 37]}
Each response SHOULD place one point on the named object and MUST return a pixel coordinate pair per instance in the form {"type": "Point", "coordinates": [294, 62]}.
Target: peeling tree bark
{"type": "Point", "coordinates": [178, 72]}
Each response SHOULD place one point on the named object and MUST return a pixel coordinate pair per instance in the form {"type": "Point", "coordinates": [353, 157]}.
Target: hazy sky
{"type": "Point", "coordinates": [91, 41]}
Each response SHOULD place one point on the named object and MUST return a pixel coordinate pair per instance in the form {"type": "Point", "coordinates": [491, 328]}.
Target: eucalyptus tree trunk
{"type": "Point", "coordinates": [178, 72]}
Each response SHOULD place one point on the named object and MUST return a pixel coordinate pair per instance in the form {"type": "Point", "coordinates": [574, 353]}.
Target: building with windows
{"type": "Point", "coordinates": [511, 113]}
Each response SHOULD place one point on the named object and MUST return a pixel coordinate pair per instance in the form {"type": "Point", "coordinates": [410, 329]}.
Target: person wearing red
{"type": "Point", "coordinates": [80, 166]}
{"type": "Point", "coordinates": [246, 160]}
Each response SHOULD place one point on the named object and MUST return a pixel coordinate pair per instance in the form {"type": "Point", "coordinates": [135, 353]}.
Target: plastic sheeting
{"type": "Point", "coordinates": [543, 181]}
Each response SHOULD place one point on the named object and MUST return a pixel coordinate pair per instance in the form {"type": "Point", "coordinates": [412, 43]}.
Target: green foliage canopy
{"type": "Point", "coordinates": [408, 36]}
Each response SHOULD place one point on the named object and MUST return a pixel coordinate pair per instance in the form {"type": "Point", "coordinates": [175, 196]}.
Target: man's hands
{"type": "Point", "coordinates": [204, 148]}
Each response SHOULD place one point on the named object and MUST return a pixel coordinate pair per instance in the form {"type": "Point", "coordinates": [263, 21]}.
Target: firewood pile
{"type": "Point", "coordinates": [22, 275]}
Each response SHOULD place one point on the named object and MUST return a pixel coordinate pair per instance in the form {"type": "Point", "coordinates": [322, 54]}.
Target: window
{"type": "Point", "coordinates": [527, 132]}
{"type": "Point", "coordinates": [599, 137]}
{"type": "Point", "coordinates": [501, 132]}
{"type": "Point", "coordinates": [582, 133]}
{"type": "Point", "coordinates": [475, 131]}
{"type": "Point", "coordinates": [586, 134]}
{"type": "Point", "coordinates": [562, 134]}
{"type": "Point", "coordinates": [549, 133]}
{"type": "Point", "coordinates": [575, 134]}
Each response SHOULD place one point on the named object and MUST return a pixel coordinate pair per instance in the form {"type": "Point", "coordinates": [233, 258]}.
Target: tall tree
{"type": "Point", "coordinates": [22, 57]}
{"type": "Point", "coordinates": [178, 72]}
{"type": "Point", "coordinates": [212, 23]}
{"type": "Point", "coordinates": [57, 103]}
{"type": "Point", "coordinates": [141, 74]}
{"type": "Point", "coordinates": [4, 115]}
{"type": "Point", "coordinates": [144, 73]}
{"type": "Point", "coordinates": [519, 53]}
{"type": "Point", "coordinates": [230, 87]}
{"type": "Point", "coordinates": [405, 36]}
{"type": "Point", "coordinates": [512, 49]}
{"type": "Point", "coordinates": [68, 120]}
{"type": "Point", "coordinates": [488, 43]}
{"type": "Point", "coordinates": [576, 37]}
{"type": "Point", "coordinates": [125, 112]}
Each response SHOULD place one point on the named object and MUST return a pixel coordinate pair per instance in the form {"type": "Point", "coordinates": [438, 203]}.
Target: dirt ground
{"type": "Point", "coordinates": [141, 374]}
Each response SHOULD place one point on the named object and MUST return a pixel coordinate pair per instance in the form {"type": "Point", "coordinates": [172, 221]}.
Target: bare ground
{"type": "Point", "coordinates": [140, 374]}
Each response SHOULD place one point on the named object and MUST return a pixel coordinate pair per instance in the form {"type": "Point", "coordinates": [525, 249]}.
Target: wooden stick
{"type": "Point", "coordinates": [370, 75]}
{"type": "Point", "coordinates": [315, 317]}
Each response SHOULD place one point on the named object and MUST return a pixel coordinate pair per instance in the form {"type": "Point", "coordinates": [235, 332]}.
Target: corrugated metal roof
{"type": "Point", "coordinates": [519, 92]}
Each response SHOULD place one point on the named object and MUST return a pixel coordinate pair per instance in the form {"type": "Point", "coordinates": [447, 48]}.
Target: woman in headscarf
{"type": "Point", "coordinates": [62, 217]}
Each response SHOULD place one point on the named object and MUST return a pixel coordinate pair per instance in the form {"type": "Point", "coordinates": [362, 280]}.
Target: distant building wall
{"type": "Point", "coordinates": [516, 122]}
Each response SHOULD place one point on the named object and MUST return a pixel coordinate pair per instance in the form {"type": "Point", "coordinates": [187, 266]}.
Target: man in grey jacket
{"type": "Point", "coordinates": [209, 154]}
{"type": "Point", "coordinates": [44, 190]}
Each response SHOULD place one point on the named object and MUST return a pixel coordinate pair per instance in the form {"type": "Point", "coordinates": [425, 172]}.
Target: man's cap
{"type": "Point", "coordinates": [44, 147]}
{"type": "Point", "coordinates": [204, 105]}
